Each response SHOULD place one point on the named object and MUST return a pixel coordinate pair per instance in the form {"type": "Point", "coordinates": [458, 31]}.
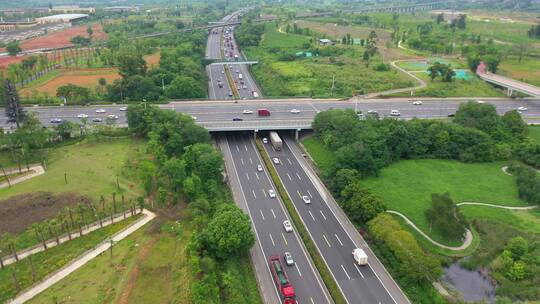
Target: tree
{"type": "Point", "coordinates": [514, 124]}
{"type": "Point", "coordinates": [73, 93]}
{"type": "Point", "coordinates": [440, 18]}
{"type": "Point", "coordinates": [184, 87]}
{"type": "Point", "coordinates": [445, 217]}
{"type": "Point", "coordinates": [229, 232]}
{"type": "Point", "coordinates": [204, 161]}
{"type": "Point", "coordinates": [130, 64]}
{"type": "Point", "coordinates": [14, 110]}
{"type": "Point", "coordinates": [492, 62]}
{"type": "Point", "coordinates": [360, 205]}
{"type": "Point", "coordinates": [480, 116]}
{"type": "Point", "coordinates": [64, 129]}
{"type": "Point", "coordinates": [13, 48]}
{"type": "Point", "coordinates": [80, 40]}
{"type": "Point", "coordinates": [518, 247]}
{"type": "Point", "coordinates": [90, 32]}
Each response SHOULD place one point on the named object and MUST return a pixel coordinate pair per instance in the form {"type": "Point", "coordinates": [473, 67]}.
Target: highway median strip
{"type": "Point", "coordinates": [326, 276]}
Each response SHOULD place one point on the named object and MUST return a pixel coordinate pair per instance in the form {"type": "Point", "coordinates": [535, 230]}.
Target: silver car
{"type": "Point", "coordinates": [288, 258]}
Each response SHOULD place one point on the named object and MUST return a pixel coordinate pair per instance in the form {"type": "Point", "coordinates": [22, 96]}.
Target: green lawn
{"type": "Point", "coordinates": [52, 259]}
{"type": "Point", "coordinates": [318, 151]}
{"type": "Point", "coordinates": [91, 168]}
{"type": "Point", "coordinates": [534, 132]}
{"type": "Point", "coordinates": [406, 186]}
{"type": "Point", "coordinates": [528, 70]}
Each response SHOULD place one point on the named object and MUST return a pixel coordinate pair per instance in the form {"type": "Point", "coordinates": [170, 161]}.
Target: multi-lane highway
{"type": "Point", "coordinates": [267, 215]}
{"type": "Point", "coordinates": [359, 284]}
{"type": "Point", "coordinates": [220, 112]}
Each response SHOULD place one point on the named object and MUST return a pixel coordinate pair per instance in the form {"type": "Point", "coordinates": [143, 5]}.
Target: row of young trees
{"type": "Point", "coordinates": [186, 167]}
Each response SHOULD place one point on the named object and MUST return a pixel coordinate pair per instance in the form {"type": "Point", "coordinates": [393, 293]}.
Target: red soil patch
{"type": "Point", "coordinates": [7, 60]}
{"type": "Point", "coordinates": [152, 60]}
{"type": "Point", "coordinates": [61, 38]}
{"type": "Point", "coordinates": [88, 78]}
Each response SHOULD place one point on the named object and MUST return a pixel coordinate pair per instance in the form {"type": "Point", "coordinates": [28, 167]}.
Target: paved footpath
{"type": "Point", "coordinates": [82, 260]}
{"type": "Point", "coordinates": [37, 170]}
{"type": "Point", "coordinates": [65, 238]}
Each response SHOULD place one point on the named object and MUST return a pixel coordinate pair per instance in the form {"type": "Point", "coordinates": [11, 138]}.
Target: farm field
{"type": "Point", "coordinates": [528, 70]}
{"type": "Point", "coordinates": [88, 78]}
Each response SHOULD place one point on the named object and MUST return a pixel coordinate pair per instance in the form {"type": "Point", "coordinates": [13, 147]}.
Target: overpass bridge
{"type": "Point", "coordinates": [250, 62]}
{"type": "Point", "coordinates": [405, 8]}
{"type": "Point", "coordinates": [510, 84]}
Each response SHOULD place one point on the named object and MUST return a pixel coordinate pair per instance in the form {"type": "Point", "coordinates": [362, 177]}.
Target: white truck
{"type": "Point", "coordinates": [276, 140]}
{"type": "Point", "coordinates": [360, 256]}
{"type": "Point", "coordinates": [240, 76]}
{"type": "Point", "coordinates": [255, 94]}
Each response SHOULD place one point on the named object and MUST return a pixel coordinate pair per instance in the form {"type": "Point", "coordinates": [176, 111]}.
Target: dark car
{"type": "Point", "coordinates": [97, 119]}
{"type": "Point", "coordinates": [56, 120]}
{"type": "Point", "coordinates": [237, 119]}
{"type": "Point", "coordinates": [452, 115]}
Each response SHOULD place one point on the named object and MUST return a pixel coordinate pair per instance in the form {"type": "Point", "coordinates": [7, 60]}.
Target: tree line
{"type": "Point", "coordinates": [186, 167]}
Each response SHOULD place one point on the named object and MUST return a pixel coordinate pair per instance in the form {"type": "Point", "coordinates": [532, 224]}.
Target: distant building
{"type": "Point", "coordinates": [121, 9]}
{"type": "Point", "coordinates": [62, 18]}
{"type": "Point", "coordinates": [70, 9]}
{"type": "Point", "coordinates": [324, 41]}
{"type": "Point", "coordinates": [10, 26]}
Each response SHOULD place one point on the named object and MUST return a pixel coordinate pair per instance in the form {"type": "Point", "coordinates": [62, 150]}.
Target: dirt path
{"type": "Point", "coordinates": [36, 171]}
{"type": "Point", "coordinates": [82, 260]}
{"type": "Point", "coordinates": [421, 83]}
{"type": "Point", "coordinates": [143, 254]}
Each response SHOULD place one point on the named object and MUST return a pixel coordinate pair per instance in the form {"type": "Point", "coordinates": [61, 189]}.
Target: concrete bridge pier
{"type": "Point", "coordinates": [509, 92]}
{"type": "Point", "coordinates": [297, 133]}
{"type": "Point", "coordinates": [255, 134]}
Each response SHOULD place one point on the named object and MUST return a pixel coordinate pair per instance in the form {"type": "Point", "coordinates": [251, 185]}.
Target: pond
{"type": "Point", "coordinates": [473, 285]}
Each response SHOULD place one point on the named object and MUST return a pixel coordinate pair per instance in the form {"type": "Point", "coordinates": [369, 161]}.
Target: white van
{"type": "Point", "coordinates": [360, 256]}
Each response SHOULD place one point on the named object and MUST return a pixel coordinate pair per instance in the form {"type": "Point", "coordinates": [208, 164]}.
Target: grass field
{"type": "Point", "coordinates": [534, 133]}
{"type": "Point", "coordinates": [52, 259]}
{"type": "Point", "coordinates": [407, 186]}
{"type": "Point", "coordinates": [314, 76]}
{"type": "Point", "coordinates": [87, 78]}
{"type": "Point", "coordinates": [528, 70]}
{"type": "Point", "coordinates": [91, 168]}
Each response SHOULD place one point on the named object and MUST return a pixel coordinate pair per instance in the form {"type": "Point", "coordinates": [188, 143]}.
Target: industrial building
{"type": "Point", "coordinates": [62, 18]}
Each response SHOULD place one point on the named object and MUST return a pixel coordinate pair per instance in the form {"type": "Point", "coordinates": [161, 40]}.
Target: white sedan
{"type": "Point", "coordinates": [259, 168]}
{"type": "Point", "coordinates": [417, 102]}
{"type": "Point", "coordinates": [82, 116]}
{"type": "Point", "coordinates": [522, 109]}
{"type": "Point", "coordinates": [295, 111]}
{"type": "Point", "coordinates": [123, 109]}
{"type": "Point", "coordinates": [287, 225]}
{"type": "Point", "coordinates": [112, 116]}
{"type": "Point", "coordinates": [275, 160]}
{"type": "Point", "coordinates": [100, 111]}
{"type": "Point", "coordinates": [306, 199]}
{"type": "Point", "coordinates": [272, 193]}
{"type": "Point", "coordinates": [247, 112]}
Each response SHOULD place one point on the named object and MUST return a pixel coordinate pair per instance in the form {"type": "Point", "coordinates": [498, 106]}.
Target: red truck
{"type": "Point", "coordinates": [263, 112]}
{"type": "Point", "coordinates": [282, 281]}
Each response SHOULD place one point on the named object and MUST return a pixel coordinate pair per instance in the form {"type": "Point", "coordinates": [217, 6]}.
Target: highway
{"type": "Point", "coordinates": [359, 284]}
{"type": "Point", "coordinates": [219, 112]}
{"type": "Point", "coordinates": [267, 215]}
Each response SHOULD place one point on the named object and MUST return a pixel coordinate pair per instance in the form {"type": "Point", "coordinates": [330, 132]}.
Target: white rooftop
{"type": "Point", "coordinates": [63, 16]}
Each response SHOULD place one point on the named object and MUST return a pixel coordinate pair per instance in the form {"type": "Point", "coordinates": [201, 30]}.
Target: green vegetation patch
{"type": "Point", "coordinates": [534, 133]}
{"type": "Point", "coordinates": [407, 186]}
{"type": "Point", "coordinates": [52, 259]}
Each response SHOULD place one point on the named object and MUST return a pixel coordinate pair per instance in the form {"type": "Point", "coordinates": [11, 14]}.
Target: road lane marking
{"type": "Point", "coordinates": [272, 239]}
{"type": "Point", "coordinates": [245, 147]}
{"type": "Point", "coordinates": [313, 302]}
{"type": "Point", "coordinates": [290, 163]}
{"type": "Point", "coordinates": [327, 242]}
{"type": "Point", "coordinates": [242, 160]}
{"type": "Point", "coordinates": [295, 264]}
{"type": "Point", "coordinates": [355, 266]}
{"type": "Point", "coordinates": [311, 215]}
{"type": "Point", "coordinates": [345, 272]}
{"type": "Point", "coordinates": [255, 196]}
{"type": "Point", "coordinates": [273, 213]}
{"type": "Point", "coordinates": [257, 175]}
{"type": "Point", "coordinates": [298, 176]}
{"type": "Point", "coordinates": [322, 214]}
{"type": "Point", "coordinates": [264, 192]}
{"type": "Point", "coordinates": [251, 161]}
{"type": "Point", "coordinates": [309, 194]}
{"type": "Point", "coordinates": [289, 176]}
{"type": "Point", "coordinates": [247, 175]}
{"type": "Point", "coordinates": [338, 239]}
{"type": "Point", "coordinates": [262, 215]}
{"type": "Point", "coordinates": [300, 195]}
{"type": "Point", "coordinates": [237, 149]}
{"type": "Point", "coordinates": [284, 239]}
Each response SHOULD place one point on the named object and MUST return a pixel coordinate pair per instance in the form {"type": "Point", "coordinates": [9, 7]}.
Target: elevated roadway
{"type": "Point", "coordinates": [510, 84]}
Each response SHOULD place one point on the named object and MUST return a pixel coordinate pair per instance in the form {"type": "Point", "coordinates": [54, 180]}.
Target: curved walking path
{"type": "Point", "coordinates": [82, 260]}
{"type": "Point", "coordinates": [37, 170]}
{"type": "Point", "coordinates": [468, 234]}
{"type": "Point", "coordinates": [421, 83]}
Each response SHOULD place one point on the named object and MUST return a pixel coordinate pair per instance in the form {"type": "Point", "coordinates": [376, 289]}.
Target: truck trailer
{"type": "Point", "coordinates": [276, 141]}
{"type": "Point", "coordinates": [285, 287]}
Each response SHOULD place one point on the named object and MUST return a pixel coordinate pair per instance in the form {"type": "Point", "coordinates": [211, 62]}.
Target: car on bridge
{"type": "Point", "coordinates": [237, 119]}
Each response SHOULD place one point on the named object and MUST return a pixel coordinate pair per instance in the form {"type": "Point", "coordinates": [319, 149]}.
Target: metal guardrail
{"type": "Point", "coordinates": [256, 125]}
